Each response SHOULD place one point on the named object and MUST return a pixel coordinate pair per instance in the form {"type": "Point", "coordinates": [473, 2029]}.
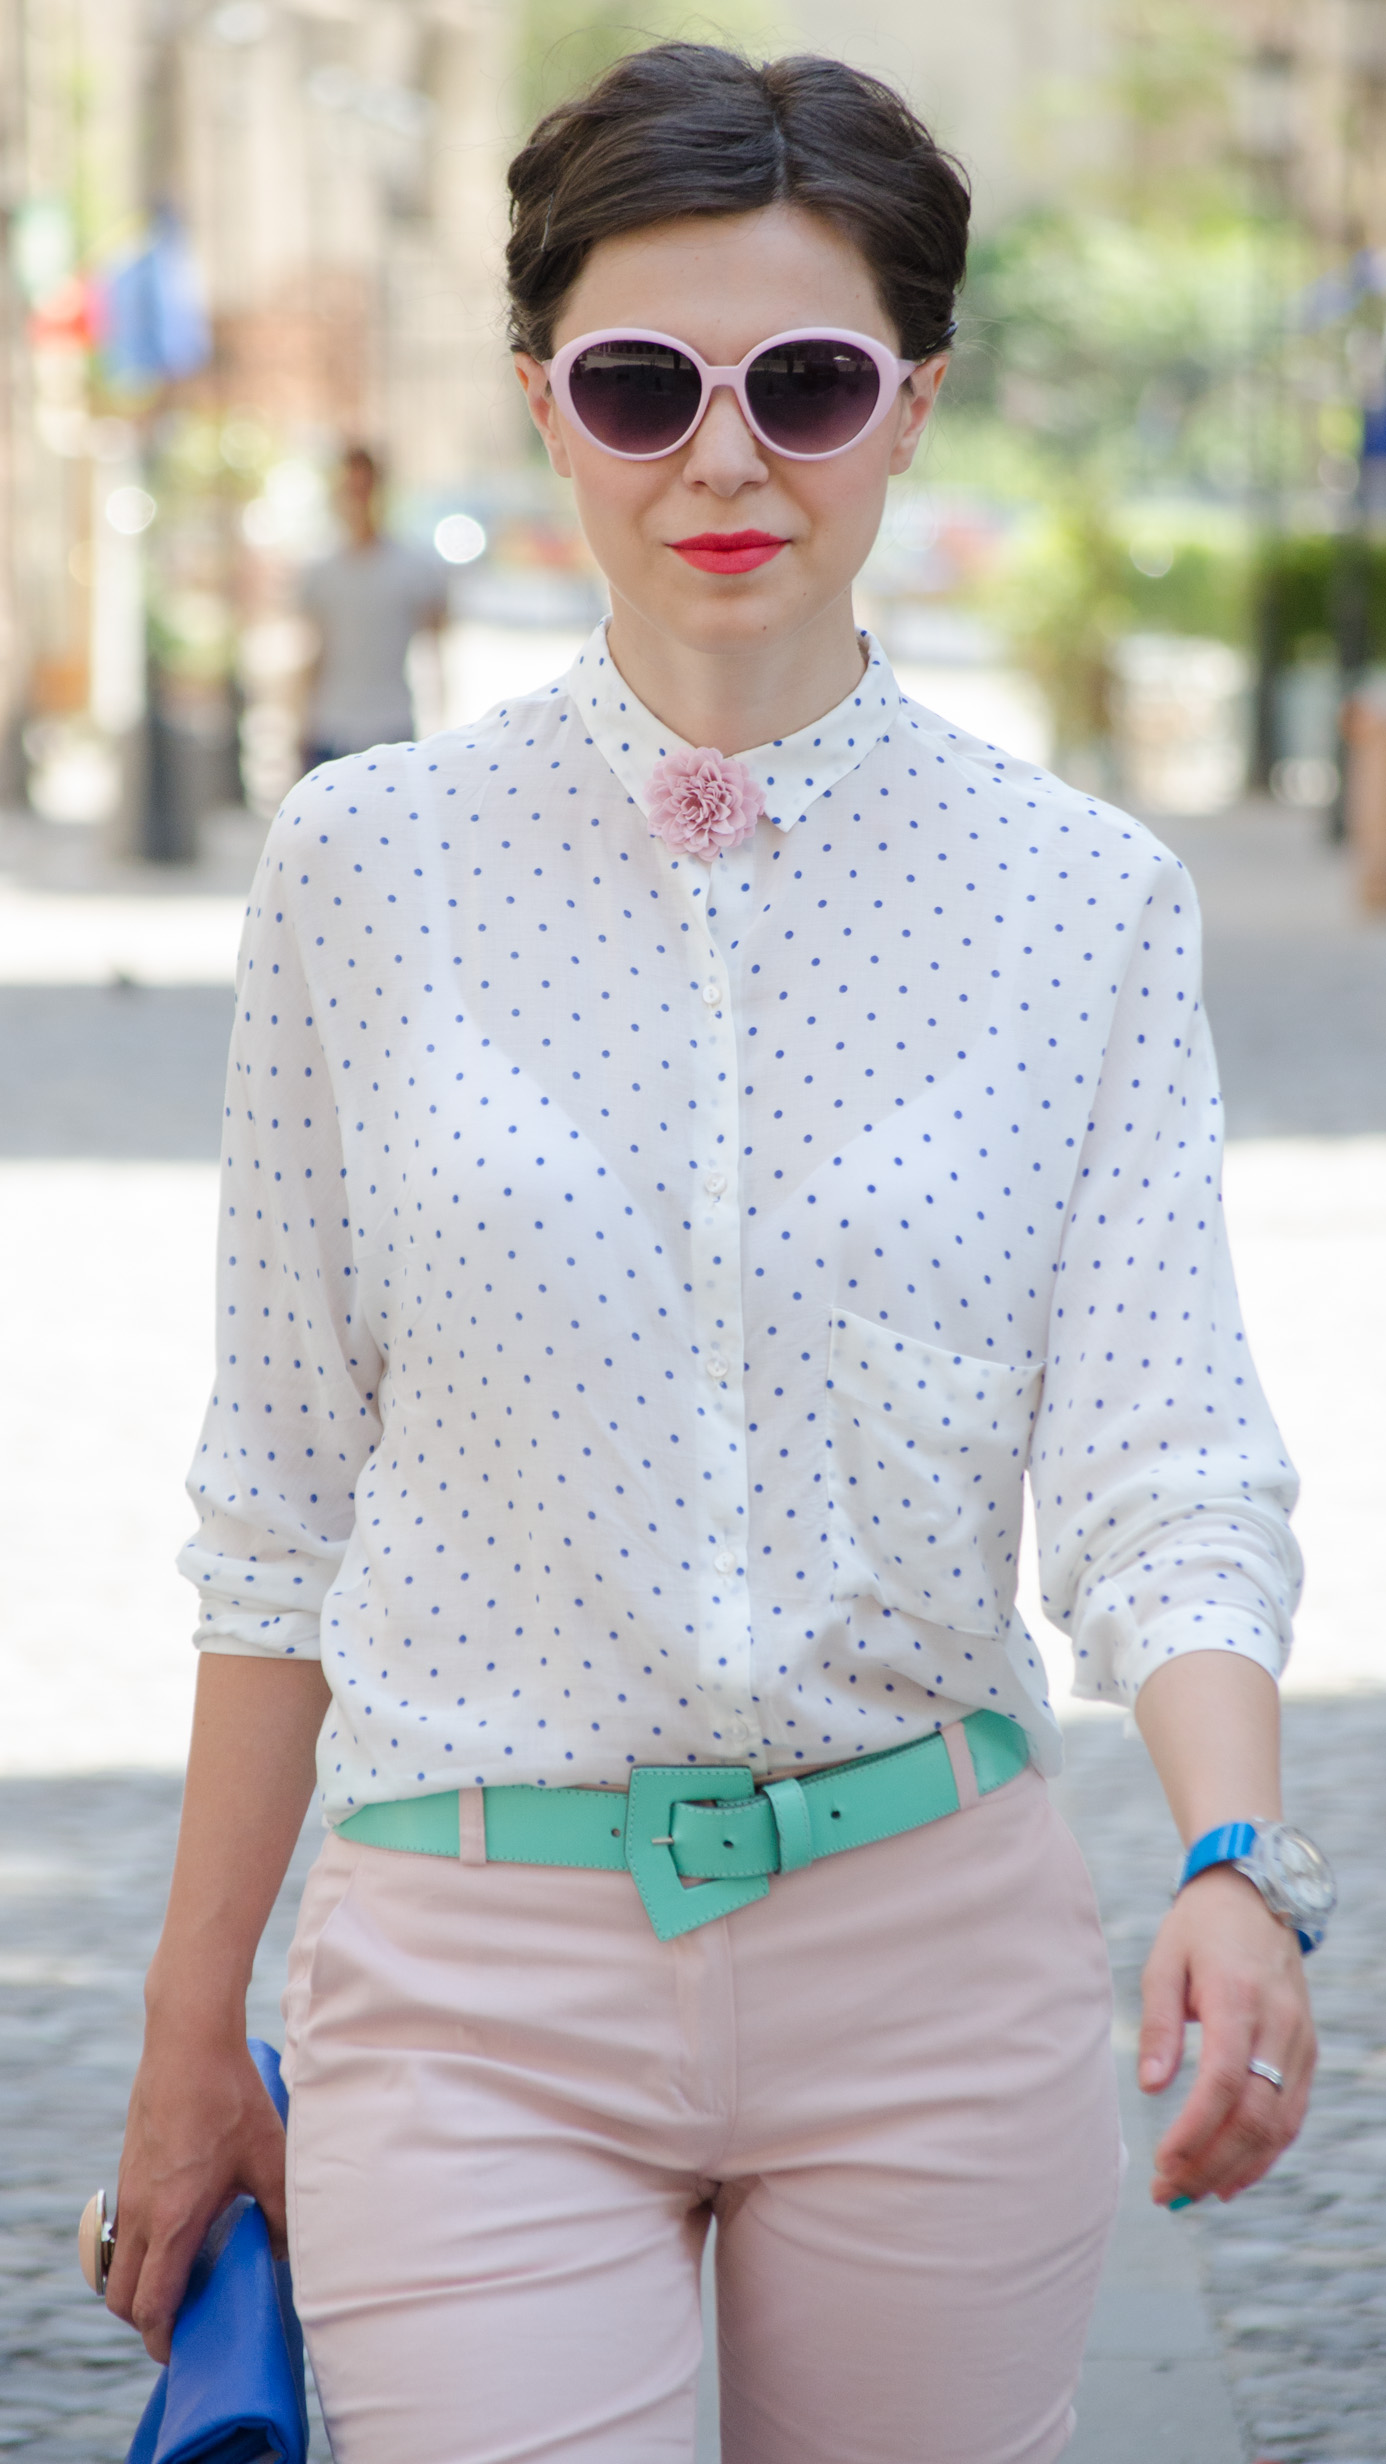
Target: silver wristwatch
{"type": "Point", "coordinates": [1292, 1875]}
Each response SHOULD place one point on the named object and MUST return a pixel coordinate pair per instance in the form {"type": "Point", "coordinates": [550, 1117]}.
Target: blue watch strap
{"type": "Point", "coordinates": [1220, 1847]}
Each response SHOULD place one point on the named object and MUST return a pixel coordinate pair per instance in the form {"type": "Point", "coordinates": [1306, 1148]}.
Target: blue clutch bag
{"type": "Point", "coordinates": [233, 2391]}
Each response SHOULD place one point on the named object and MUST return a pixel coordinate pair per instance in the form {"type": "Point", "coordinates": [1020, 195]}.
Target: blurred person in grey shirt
{"type": "Point", "coordinates": [367, 602]}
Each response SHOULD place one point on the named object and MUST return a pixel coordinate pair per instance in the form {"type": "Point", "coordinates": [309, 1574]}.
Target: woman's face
{"type": "Point", "coordinates": [725, 283]}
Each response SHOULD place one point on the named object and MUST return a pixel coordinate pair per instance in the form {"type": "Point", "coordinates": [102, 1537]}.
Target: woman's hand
{"type": "Point", "coordinates": [1211, 1720]}
{"type": "Point", "coordinates": [201, 2129]}
{"type": "Point", "coordinates": [1220, 1957]}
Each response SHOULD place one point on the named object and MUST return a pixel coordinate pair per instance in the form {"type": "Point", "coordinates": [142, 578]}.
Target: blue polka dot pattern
{"type": "Point", "coordinates": [644, 1284]}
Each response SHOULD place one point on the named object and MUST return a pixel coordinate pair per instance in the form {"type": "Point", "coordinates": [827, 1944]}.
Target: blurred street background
{"type": "Point", "coordinates": [1145, 544]}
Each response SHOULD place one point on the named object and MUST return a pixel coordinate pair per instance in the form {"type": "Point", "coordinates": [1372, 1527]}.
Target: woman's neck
{"type": "Point", "coordinates": [747, 694]}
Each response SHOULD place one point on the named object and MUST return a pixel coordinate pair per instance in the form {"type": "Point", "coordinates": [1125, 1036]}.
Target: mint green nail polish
{"type": "Point", "coordinates": [1182, 2201]}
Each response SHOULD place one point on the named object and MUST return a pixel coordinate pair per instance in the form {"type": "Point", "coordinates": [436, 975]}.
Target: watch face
{"type": "Point", "coordinates": [1295, 1875]}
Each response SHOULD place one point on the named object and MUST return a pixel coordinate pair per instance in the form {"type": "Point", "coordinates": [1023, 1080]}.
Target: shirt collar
{"type": "Point", "coordinates": [794, 771]}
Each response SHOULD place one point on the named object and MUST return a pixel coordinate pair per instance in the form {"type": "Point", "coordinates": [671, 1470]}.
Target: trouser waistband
{"type": "Point", "coordinates": [706, 1823]}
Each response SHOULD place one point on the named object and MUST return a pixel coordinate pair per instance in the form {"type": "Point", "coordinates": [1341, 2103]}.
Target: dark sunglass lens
{"type": "Point", "coordinates": [635, 397]}
{"type": "Point", "coordinates": [811, 397]}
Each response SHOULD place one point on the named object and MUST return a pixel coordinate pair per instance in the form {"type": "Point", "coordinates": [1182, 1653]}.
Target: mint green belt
{"type": "Point", "coordinates": [706, 1823]}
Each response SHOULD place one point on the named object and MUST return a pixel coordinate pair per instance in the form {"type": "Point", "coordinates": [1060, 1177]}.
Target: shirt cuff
{"type": "Point", "coordinates": [244, 1637]}
{"type": "Point", "coordinates": [1210, 1625]}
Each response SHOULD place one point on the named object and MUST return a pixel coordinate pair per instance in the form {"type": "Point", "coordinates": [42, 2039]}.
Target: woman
{"type": "Point", "coordinates": [690, 1142]}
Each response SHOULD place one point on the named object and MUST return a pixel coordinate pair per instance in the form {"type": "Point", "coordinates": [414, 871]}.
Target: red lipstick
{"type": "Point", "coordinates": [729, 551]}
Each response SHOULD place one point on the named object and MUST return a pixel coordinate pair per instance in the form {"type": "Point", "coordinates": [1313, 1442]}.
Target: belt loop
{"type": "Point", "coordinates": [471, 1825]}
{"type": "Point", "coordinates": [789, 1806]}
{"type": "Point", "coordinates": [964, 1774]}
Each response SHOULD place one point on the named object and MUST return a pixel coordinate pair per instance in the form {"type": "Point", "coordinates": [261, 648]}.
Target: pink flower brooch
{"type": "Point", "coordinates": [702, 803]}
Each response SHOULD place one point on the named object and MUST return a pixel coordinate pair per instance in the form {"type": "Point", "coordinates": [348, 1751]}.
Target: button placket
{"type": "Point", "coordinates": [724, 1653]}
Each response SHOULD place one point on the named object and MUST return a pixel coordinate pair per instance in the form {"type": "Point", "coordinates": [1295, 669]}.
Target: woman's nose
{"type": "Point", "coordinates": [723, 454]}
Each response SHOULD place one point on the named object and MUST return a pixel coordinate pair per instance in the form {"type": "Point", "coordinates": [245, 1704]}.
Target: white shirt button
{"type": "Point", "coordinates": [712, 994]}
{"type": "Point", "coordinates": [725, 1561]}
{"type": "Point", "coordinates": [714, 1183]}
{"type": "Point", "coordinates": [716, 1365]}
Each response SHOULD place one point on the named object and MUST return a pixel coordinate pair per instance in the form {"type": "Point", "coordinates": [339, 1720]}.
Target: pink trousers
{"type": "Point", "coordinates": [514, 2110]}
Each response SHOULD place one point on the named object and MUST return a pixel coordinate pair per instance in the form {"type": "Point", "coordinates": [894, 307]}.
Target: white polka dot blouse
{"type": "Point", "coordinates": [645, 1281]}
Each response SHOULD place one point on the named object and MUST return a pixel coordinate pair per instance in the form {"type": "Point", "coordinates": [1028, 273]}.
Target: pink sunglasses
{"type": "Point", "coordinates": [808, 394]}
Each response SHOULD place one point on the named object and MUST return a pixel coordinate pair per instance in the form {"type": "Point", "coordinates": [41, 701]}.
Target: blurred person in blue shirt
{"type": "Point", "coordinates": [367, 601]}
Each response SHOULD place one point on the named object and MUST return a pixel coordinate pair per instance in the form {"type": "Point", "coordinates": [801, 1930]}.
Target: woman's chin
{"type": "Point", "coordinates": [711, 613]}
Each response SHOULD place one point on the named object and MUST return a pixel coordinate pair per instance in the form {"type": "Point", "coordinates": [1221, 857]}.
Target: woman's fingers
{"type": "Point", "coordinates": [1264, 2119]}
{"type": "Point", "coordinates": [160, 2225]}
{"type": "Point", "coordinates": [1234, 2125]}
{"type": "Point", "coordinates": [1163, 2014]}
{"type": "Point", "coordinates": [1259, 2127]}
{"type": "Point", "coordinates": [127, 2258]}
{"type": "Point", "coordinates": [264, 2175]}
{"type": "Point", "coordinates": [1184, 2153]}
{"type": "Point", "coordinates": [200, 2132]}
{"type": "Point", "coordinates": [1241, 1975]}
{"type": "Point", "coordinates": [165, 2264]}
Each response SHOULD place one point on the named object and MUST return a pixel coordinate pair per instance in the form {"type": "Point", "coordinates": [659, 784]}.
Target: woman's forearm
{"type": "Point", "coordinates": [1211, 1725]}
{"type": "Point", "coordinates": [250, 1779]}
{"type": "Point", "coordinates": [200, 2127]}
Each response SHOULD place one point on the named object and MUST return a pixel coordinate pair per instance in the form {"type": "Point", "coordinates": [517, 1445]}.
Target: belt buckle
{"type": "Point", "coordinates": [673, 1906]}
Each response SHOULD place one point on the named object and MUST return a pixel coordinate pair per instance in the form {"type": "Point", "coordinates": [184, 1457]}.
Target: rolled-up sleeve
{"type": "Point", "coordinates": [1161, 1486]}
{"type": "Point", "coordinates": [293, 1415]}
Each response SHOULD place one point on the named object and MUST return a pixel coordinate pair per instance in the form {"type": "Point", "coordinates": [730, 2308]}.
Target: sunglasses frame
{"type": "Point", "coordinates": [891, 370]}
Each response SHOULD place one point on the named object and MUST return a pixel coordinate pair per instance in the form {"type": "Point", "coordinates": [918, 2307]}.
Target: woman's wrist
{"type": "Point", "coordinates": [1222, 1888]}
{"type": "Point", "coordinates": [195, 1999]}
{"type": "Point", "coordinates": [250, 1777]}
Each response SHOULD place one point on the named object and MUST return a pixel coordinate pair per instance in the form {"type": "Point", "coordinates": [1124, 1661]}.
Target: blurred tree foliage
{"type": "Point", "coordinates": [566, 43]}
{"type": "Point", "coordinates": [1128, 350]}
{"type": "Point", "coordinates": [1170, 89]}
{"type": "Point", "coordinates": [1065, 601]}
{"type": "Point", "coordinates": [1072, 588]}
{"type": "Point", "coordinates": [1118, 361]}
{"type": "Point", "coordinates": [1206, 588]}
{"type": "Point", "coordinates": [1313, 588]}
{"type": "Point", "coordinates": [1118, 333]}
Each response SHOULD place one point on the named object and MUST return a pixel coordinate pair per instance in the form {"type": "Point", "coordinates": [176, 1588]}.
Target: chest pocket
{"type": "Point", "coordinates": [927, 1455]}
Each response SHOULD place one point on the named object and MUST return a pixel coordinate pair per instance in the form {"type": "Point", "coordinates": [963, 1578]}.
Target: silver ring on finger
{"type": "Point", "coordinates": [1267, 2071]}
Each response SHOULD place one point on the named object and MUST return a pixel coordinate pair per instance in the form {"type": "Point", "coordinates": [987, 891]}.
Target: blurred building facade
{"type": "Point", "coordinates": [1002, 82]}
{"type": "Point", "coordinates": [238, 236]}
{"type": "Point", "coordinates": [1313, 109]}
{"type": "Point", "coordinates": [241, 232]}
{"type": "Point", "coordinates": [986, 78]}
{"type": "Point", "coordinates": [341, 173]}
